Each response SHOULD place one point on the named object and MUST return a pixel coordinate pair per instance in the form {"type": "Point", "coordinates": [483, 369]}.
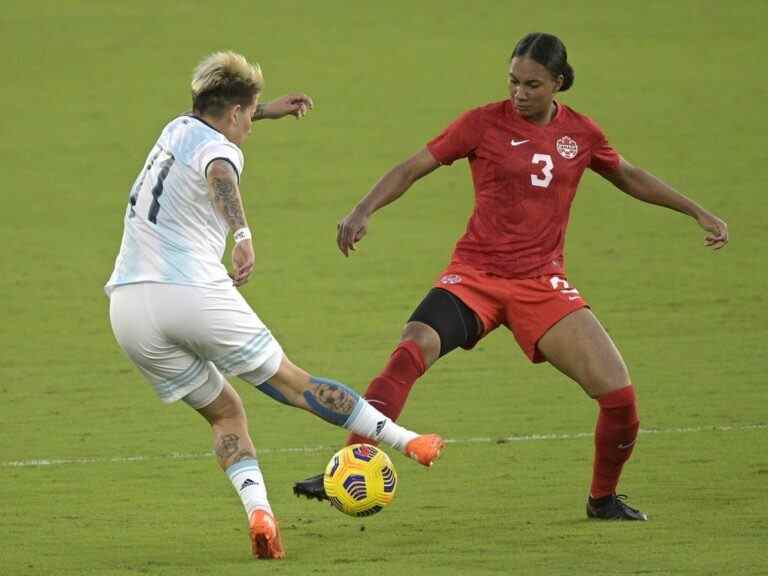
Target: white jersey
{"type": "Point", "coordinates": [172, 232]}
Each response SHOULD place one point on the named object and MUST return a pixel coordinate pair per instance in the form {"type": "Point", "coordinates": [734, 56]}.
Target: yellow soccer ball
{"type": "Point", "coordinates": [360, 480]}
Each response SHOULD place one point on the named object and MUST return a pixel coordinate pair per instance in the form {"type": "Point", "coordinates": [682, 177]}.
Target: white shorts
{"type": "Point", "coordinates": [183, 337]}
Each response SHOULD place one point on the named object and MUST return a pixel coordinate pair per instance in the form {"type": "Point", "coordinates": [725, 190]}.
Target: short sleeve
{"type": "Point", "coordinates": [220, 150]}
{"type": "Point", "coordinates": [605, 158]}
{"type": "Point", "coordinates": [458, 140]}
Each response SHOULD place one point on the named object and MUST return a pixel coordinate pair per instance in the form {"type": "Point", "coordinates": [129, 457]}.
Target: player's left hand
{"type": "Point", "coordinates": [295, 104]}
{"type": "Point", "coordinates": [718, 230]}
{"type": "Point", "coordinates": [243, 260]}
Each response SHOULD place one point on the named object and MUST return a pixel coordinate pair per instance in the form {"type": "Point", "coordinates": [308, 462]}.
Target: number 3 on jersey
{"type": "Point", "coordinates": [546, 170]}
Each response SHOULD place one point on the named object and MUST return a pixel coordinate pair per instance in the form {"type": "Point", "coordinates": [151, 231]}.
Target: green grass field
{"type": "Point", "coordinates": [129, 486]}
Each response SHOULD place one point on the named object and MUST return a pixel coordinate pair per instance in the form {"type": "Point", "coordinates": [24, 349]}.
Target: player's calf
{"type": "Point", "coordinates": [337, 404]}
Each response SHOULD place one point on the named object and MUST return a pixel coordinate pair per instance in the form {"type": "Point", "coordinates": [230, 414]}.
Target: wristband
{"type": "Point", "coordinates": [241, 234]}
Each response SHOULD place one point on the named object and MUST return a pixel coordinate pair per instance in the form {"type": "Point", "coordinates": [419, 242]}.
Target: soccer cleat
{"type": "Point", "coordinates": [265, 536]}
{"type": "Point", "coordinates": [312, 487]}
{"type": "Point", "coordinates": [425, 449]}
{"type": "Point", "coordinates": [613, 507]}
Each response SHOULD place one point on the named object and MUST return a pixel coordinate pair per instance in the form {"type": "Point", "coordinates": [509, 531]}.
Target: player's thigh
{"type": "Point", "coordinates": [173, 370]}
{"type": "Point", "coordinates": [580, 348]}
{"type": "Point", "coordinates": [225, 330]}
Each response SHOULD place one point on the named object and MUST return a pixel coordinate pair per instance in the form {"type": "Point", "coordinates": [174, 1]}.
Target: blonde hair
{"type": "Point", "coordinates": [224, 79]}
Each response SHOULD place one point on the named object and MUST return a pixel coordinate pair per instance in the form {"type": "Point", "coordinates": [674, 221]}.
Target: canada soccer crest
{"type": "Point", "coordinates": [567, 147]}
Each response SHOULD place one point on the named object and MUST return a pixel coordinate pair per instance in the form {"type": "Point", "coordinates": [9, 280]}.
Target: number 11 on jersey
{"type": "Point", "coordinates": [163, 167]}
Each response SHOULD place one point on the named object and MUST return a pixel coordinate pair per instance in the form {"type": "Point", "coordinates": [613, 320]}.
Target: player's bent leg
{"type": "Point", "coordinates": [580, 348]}
{"type": "Point", "coordinates": [226, 415]}
{"type": "Point", "coordinates": [237, 457]}
{"type": "Point", "coordinates": [426, 339]}
{"type": "Point", "coordinates": [418, 349]}
{"type": "Point", "coordinates": [441, 323]}
{"type": "Point", "coordinates": [338, 404]}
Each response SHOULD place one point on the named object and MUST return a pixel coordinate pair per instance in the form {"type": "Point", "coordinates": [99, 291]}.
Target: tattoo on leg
{"type": "Point", "coordinates": [330, 400]}
{"type": "Point", "coordinates": [229, 452]}
{"type": "Point", "coordinates": [228, 445]}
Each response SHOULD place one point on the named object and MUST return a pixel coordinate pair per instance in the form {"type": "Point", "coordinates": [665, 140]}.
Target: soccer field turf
{"type": "Point", "coordinates": [98, 478]}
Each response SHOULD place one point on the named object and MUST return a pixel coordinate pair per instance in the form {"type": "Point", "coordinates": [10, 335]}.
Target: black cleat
{"type": "Point", "coordinates": [612, 507]}
{"type": "Point", "coordinates": [312, 487]}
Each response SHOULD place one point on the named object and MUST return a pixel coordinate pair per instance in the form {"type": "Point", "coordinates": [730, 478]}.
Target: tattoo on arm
{"type": "Point", "coordinates": [261, 110]}
{"type": "Point", "coordinates": [226, 197]}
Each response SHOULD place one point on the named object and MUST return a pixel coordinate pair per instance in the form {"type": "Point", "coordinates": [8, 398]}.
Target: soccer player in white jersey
{"type": "Point", "coordinates": [175, 310]}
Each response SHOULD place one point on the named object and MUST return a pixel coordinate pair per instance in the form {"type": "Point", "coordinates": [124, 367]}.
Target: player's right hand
{"type": "Point", "coordinates": [717, 230]}
{"type": "Point", "coordinates": [350, 231]}
{"type": "Point", "coordinates": [243, 260]}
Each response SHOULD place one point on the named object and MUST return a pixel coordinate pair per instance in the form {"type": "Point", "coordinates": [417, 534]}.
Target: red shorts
{"type": "Point", "coordinates": [527, 306]}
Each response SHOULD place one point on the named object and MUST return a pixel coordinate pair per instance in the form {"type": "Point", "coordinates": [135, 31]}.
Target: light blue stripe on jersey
{"type": "Point", "coordinates": [186, 239]}
{"type": "Point", "coordinates": [184, 147]}
{"type": "Point", "coordinates": [129, 260]}
{"type": "Point", "coordinates": [175, 264]}
{"type": "Point", "coordinates": [249, 350]}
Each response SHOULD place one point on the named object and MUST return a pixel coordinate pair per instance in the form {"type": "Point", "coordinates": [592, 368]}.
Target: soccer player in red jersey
{"type": "Point", "coordinates": [526, 155]}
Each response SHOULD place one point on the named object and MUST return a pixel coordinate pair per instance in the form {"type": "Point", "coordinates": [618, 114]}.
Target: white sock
{"type": "Point", "coordinates": [366, 421]}
{"type": "Point", "coordinates": [249, 484]}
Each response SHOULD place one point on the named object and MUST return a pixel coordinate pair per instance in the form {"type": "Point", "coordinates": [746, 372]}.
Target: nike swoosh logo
{"type": "Point", "coordinates": [517, 142]}
{"type": "Point", "coordinates": [626, 446]}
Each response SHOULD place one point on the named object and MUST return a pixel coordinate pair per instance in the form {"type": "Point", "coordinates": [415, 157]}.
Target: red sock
{"type": "Point", "coordinates": [615, 436]}
{"type": "Point", "coordinates": [389, 390]}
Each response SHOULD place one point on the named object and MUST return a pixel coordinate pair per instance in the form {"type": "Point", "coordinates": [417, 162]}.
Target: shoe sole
{"type": "Point", "coordinates": [265, 543]}
{"type": "Point", "coordinates": [309, 495]}
{"type": "Point", "coordinates": [263, 547]}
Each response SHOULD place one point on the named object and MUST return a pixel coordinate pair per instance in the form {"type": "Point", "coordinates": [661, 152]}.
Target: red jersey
{"type": "Point", "coordinates": [525, 178]}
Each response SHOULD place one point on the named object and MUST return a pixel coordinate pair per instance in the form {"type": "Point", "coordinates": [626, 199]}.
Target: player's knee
{"type": "Point", "coordinates": [227, 407]}
{"type": "Point", "coordinates": [606, 379]}
{"type": "Point", "coordinates": [442, 322]}
{"type": "Point", "coordinates": [425, 337]}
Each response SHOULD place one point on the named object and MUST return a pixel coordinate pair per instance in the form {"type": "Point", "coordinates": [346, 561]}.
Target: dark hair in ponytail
{"type": "Point", "coordinates": [549, 51]}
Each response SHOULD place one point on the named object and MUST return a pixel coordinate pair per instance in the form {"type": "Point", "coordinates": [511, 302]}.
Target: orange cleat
{"type": "Point", "coordinates": [425, 449]}
{"type": "Point", "coordinates": [265, 536]}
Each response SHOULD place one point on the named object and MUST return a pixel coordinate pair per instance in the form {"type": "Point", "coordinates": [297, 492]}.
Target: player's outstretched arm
{"type": "Point", "coordinates": [644, 186]}
{"type": "Point", "coordinates": [225, 194]}
{"type": "Point", "coordinates": [392, 185]}
{"type": "Point", "coordinates": [295, 104]}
